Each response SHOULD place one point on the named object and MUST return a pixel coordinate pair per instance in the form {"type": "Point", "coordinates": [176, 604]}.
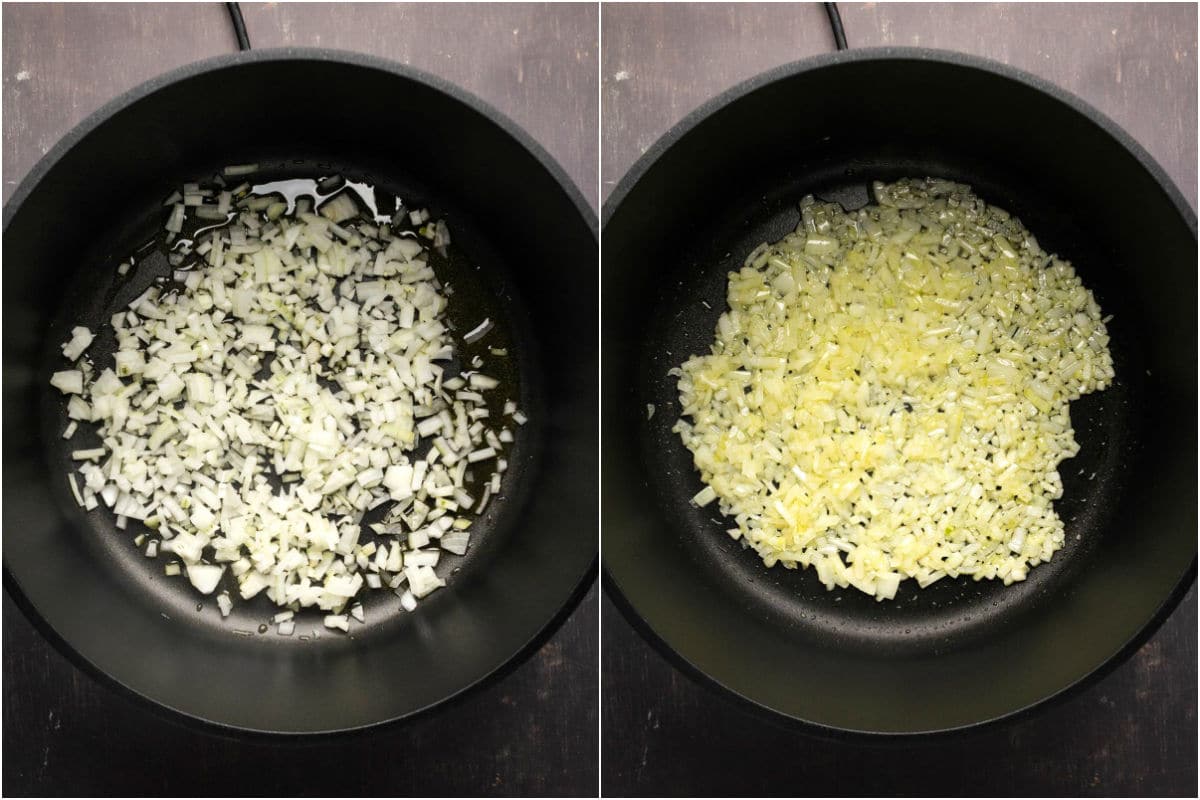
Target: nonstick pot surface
{"type": "Point", "coordinates": [521, 236]}
{"type": "Point", "coordinates": [960, 652]}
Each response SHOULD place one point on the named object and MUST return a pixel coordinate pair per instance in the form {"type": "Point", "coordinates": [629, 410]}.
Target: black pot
{"type": "Point", "coordinates": [525, 237]}
{"type": "Point", "coordinates": [959, 653]}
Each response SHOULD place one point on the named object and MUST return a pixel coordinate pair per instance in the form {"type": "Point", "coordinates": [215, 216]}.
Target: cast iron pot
{"type": "Point", "coordinates": [523, 237]}
{"type": "Point", "coordinates": [959, 653]}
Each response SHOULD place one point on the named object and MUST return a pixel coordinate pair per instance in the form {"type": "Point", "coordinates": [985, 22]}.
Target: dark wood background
{"type": "Point", "coordinates": [1132, 733]}
{"type": "Point", "coordinates": [532, 733]}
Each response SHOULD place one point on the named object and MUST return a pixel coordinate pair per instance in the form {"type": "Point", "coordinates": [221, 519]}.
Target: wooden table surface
{"type": "Point", "coordinates": [532, 733]}
{"type": "Point", "coordinates": [1132, 733]}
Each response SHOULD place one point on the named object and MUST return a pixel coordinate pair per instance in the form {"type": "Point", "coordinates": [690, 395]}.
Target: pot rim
{"type": "Point", "coordinates": [698, 117]}
{"type": "Point", "coordinates": [232, 61]}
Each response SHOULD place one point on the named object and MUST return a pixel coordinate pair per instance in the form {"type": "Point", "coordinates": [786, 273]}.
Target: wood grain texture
{"type": "Point", "coordinates": [1134, 732]}
{"type": "Point", "coordinates": [1131, 734]}
{"type": "Point", "coordinates": [62, 62]}
{"type": "Point", "coordinates": [535, 62]}
{"type": "Point", "coordinates": [532, 733]}
{"type": "Point", "coordinates": [1134, 62]}
{"type": "Point", "coordinates": [661, 61]}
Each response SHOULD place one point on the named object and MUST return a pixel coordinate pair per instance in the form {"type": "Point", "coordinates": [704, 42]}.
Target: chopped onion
{"type": "Point", "coordinates": [441, 236]}
{"type": "Point", "coordinates": [174, 222]}
{"type": "Point", "coordinates": [481, 454]}
{"type": "Point", "coordinates": [75, 488]}
{"type": "Point", "coordinates": [479, 331]}
{"type": "Point", "coordinates": [68, 381]}
{"type": "Point", "coordinates": [420, 558]}
{"type": "Point", "coordinates": [81, 339]}
{"type": "Point", "coordinates": [888, 392]}
{"type": "Point", "coordinates": [205, 577]}
{"type": "Point", "coordinates": [455, 542]}
{"type": "Point", "coordinates": [422, 580]}
{"type": "Point", "coordinates": [312, 347]}
{"type": "Point", "coordinates": [340, 208]}
{"type": "Point", "coordinates": [483, 382]}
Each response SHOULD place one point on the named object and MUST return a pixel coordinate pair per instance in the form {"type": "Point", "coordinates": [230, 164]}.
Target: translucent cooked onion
{"type": "Point", "coordinates": [887, 395]}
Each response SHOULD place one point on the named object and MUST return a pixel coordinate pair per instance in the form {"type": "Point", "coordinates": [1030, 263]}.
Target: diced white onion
{"type": "Point", "coordinates": [887, 394]}
{"type": "Point", "coordinates": [308, 346]}
{"type": "Point", "coordinates": [478, 332]}
{"type": "Point", "coordinates": [81, 339]}
{"type": "Point", "coordinates": [69, 381]}
{"type": "Point", "coordinates": [204, 577]}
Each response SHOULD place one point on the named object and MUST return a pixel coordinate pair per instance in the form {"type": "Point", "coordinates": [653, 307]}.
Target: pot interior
{"type": "Point", "coordinates": [959, 652]}
{"type": "Point", "coordinates": [520, 235]}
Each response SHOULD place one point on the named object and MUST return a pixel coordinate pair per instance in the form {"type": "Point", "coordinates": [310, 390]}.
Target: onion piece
{"type": "Point", "coordinates": [479, 331]}
{"type": "Point", "coordinates": [68, 381]}
{"type": "Point", "coordinates": [887, 393]}
{"type": "Point", "coordinates": [204, 577]}
{"type": "Point", "coordinates": [218, 385]}
{"type": "Point", "coordinates": [75, 488]}
{"type": "Point", "coordinates": [81, 339]}
{"type": "Point", "coordinates": [455, 542]}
